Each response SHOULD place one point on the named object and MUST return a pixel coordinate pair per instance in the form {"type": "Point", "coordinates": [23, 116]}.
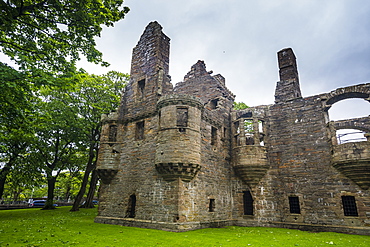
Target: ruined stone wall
{"type": "Point", "coordinates": [181, 159]}
{"type": "Point", "coordinates": [301, 153]}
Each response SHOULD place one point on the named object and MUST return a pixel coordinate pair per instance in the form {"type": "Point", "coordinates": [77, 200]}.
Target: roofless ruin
{"type": "Point", "coordinates": [180, 158]}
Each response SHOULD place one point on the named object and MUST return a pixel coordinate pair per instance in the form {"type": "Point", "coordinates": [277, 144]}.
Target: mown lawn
{"type": "Point", "coordinates": [35, 227]}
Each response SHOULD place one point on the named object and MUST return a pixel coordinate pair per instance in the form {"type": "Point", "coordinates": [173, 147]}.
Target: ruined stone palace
{"type": "Point", "coordinates": [179, 157]}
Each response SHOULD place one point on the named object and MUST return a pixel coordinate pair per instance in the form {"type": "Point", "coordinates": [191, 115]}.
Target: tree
{"type": "Point", "coordinates": [95, 95]}
{"type": "Point", "coordinates": [58, 135]}
{"type": "Point", "coordinates": [50, 35]}
{"type": "Point", "coordinates": [239, 106]}
{"type": "Point", "coordinates": [16, 117]}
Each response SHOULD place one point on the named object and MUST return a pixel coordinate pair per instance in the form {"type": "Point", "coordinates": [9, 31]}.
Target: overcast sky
{"type": "Point", "coordinates": [240, 38]}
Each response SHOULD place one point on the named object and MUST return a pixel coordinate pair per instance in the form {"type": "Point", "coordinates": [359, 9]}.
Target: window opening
{"type": "Point", "coordinates": [348, 109]}
{"type": "Point", "coordinates": [141, 87]}
{"type": "Point", "coordinates": [213, 135]}
{"type": "Point", "coordinates": [261, 132]}
{"type": "Point", "coordinates": [248, 203]}
{"type": "Point", "coordinates": [130, 213]}
{"type": "Point", "coordinates": [213, 104]}
{"type": "Point", "coordinates": [224, 134]}
{"type": "Point", "coordinates": [294, 205]}
{"type": "Point", "coordinates": [211, 206]}
{"type": "Point", "coordinates": [139, 130]}
{"type": "Point", "coordinates": [249, 131]}
{"type": "Point", "coordinates": [236, 126]}
{"type": "Point", "coordinates": [350, 135]}
{"type": "Point", "coordinates": [349, 206]}
{"type": "Point", "coordinates": [112, 133]}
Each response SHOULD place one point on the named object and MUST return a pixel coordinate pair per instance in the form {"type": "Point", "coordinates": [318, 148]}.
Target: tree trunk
{"type": "Point", "coordinates": [90, 195]}
{"type": "Point", "coordinates": [3, 173]}
{"type": "Point", "coordinates": [51, 186]}
{"type": "Point", "coordinates": [89, 167]}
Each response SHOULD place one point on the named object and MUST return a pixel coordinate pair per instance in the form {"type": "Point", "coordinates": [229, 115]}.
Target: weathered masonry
{"type": "Point", "coordinates": [180, 158]}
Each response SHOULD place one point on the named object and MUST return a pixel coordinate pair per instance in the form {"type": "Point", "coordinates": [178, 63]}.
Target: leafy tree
{"type": "Point", "coordinates": [240, 106]}
{"type": "Point", "coordinates": [16, 117]}
{"type": "Point", "coordinates": [68, 184]}
{"type": "Point", "coordinates": [50, 35]}
{"type": "Point", "coordinates": [58, 135]}
{"type": "Point", "coordinates": [95, 95]}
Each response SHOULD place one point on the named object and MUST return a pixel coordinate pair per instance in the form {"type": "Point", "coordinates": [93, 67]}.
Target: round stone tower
{"type": "Point", "coordinates": [179, 138]}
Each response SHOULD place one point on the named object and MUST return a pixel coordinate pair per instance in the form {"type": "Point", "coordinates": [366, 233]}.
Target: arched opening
{"type": "Point", "coordinates": [348, 109]}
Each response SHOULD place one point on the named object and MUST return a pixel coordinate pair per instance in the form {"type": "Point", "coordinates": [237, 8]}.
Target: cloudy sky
{"type": "Point", "coordinates": [240, 38]}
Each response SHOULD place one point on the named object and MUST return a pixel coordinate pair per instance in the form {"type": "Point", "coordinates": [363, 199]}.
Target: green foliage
{"type": "Point", "coordinates": [239, 106]}
{"type": "Point", "coordinates": [34, 227]}
{"type": "Point", "coordinates": [50, 35]}
{"type": "Point", "coordinates": [67, 185]}
{"type": "Point", "coordinates": [59, 130]}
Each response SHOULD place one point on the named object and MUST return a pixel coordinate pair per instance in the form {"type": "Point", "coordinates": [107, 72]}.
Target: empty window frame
{"type": "Point", "coordinates": [213, 104]}
{"type": "Point", "coordinates": [213, 135]}
{"type": "Point", "coordinates": [294, 205]}
{"type": "Point", "coordinates": [141, 88]}
{"type": "Point", "coordinates": [212, 205]}
{"type": "Point", "coordinates": [248, 203]}
{"type": "Point", "coordinates": [112, 133]}
{"type": "Point", "coordinates": [131, 207]}
{"type": "Point", "coordinates": [139, 134]}
{"type": "Point", "coordinates": [349, 206]}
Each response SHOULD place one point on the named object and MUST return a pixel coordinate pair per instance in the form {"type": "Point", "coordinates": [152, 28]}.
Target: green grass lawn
{"type": "Point", "coordinates": [35, 227]}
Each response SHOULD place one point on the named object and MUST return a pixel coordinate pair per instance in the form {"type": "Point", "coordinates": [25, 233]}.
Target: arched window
{"type": "Point", "coordinates": [348, 109]}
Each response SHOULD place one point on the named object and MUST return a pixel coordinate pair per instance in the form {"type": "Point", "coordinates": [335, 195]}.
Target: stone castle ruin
{"type": "Point", "coordinates": [180, 158]}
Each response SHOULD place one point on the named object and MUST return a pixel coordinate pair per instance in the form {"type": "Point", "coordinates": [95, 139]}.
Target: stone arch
{"type": "Point", "coordinates": [361, 91]}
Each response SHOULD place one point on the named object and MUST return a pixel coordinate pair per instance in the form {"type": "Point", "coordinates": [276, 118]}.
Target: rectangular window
{"type": "Point", "coordinates": [211, 207]}
{"type": "Point", "coordinates": [294, 205]}
{"type": "Point", "coordinates": [349, 206]}
{"type": "Point", "coordinates": [140, 88]}
{"type": "Point", "coordinates": [213, 135]}
{"type": "Point", "coordinates": [139, 135]}
{"type": "Point", "coordinates": [247, 203]}
{"type": "Point", "coordinates": [112, 133]}
{"type": "Point", "coordinates": [182, 117]}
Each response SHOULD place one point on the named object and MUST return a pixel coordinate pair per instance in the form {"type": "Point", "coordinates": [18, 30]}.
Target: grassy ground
{"type": "Point", "coordinates": [35, 227]}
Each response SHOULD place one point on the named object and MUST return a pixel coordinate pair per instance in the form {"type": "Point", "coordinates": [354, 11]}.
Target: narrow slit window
{"type": "Point", "coordinates": [213, 136]}
{"type": "Point", "coordinates": [139, 130]}
{"type": "Point", "coordinates": [248, 203]}
{"type": "Point", "coordinates": [294, 205]}
{"type": "Point", "coordinates": [349, 206]}
{"type": "Point", "coordinates": [112, 133]}
{"type": "Point", "coordinates": [141, 88]}
{"type": "Point", "coordinates": [211, 206]}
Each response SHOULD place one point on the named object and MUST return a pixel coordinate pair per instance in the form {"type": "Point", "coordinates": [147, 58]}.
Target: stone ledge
{"type": "Point", "coordinates": [165, 226]}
